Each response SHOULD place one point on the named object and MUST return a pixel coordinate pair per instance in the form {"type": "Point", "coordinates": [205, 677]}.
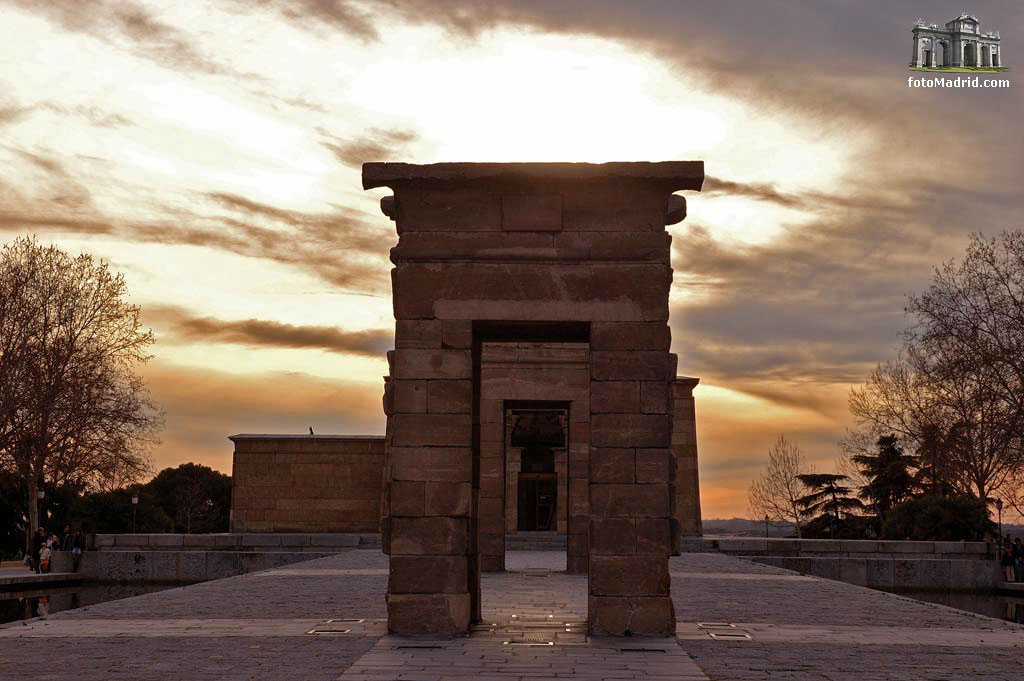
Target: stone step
{"type": "Point", "coordinates": [535, 541]}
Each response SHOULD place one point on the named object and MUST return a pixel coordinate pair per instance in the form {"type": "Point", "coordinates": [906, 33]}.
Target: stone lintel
{"type": "Point", "coordinates": [676, 175]}
{"type": "Point", "coordinates": [292, 436]}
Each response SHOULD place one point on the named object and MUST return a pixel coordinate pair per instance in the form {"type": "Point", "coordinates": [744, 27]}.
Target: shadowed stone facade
{"type": "Point", "coordinates": [306, 483]}
{"type": "Point", "coordinates": [548, 254]}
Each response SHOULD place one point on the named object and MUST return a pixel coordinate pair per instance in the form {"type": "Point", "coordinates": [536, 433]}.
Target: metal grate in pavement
{"type": "Point", "coordinates": [536, 572]}
{"type": "Point", "coordinates": [315, 631]}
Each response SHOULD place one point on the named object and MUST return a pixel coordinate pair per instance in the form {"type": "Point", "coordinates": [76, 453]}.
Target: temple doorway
{"type": "Point", "coordinates": [537, 435]}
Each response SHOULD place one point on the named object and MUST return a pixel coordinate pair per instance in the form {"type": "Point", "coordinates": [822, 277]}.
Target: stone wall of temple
{"type": "Point", "coordinates": [306, 483]}
{"type": "Point", "coordinates": [551, 253]}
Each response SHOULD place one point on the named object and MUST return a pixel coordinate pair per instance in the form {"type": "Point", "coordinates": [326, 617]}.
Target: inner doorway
{"type": "Point", "coordinates": [538, 490]}
{"type": "Point", "coordinates": [538, 438]}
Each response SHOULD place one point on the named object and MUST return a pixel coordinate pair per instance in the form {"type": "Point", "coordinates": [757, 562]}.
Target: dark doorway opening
{"type": "Point", "coordinates": [537, 433]}
{"type": "Point", "coordinates": [538, 490]}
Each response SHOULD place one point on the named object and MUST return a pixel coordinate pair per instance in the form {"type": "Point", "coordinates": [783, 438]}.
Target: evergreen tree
{"type": "Point", "coordinates": [828, 498]}
{"type": "Point", "coordinates": [888, 471]}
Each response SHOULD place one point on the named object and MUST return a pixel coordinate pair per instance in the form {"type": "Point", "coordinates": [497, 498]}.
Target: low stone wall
{"type": "Point", "coordinates": [306, 483]}
{"type": "Point", "coordinates": [177, 566]}
{"type": "Point", "coordinates": [324, 542]}
{"type": "Point", "coordinates": [896, 574]}
{"type": "Point", "coordinates": [839, 548]}
{"type": "Point", "coordinates": [202, 557]}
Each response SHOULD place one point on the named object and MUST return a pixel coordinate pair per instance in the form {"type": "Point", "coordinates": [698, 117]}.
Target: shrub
{"type": "Point", "coordinates": [935, 518]}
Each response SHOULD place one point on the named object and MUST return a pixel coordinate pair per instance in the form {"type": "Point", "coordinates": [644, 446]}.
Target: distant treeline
{"type": "Point", "coordinates": [191, 498]}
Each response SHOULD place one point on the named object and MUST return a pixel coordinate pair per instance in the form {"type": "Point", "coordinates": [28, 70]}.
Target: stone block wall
{"type": "Point", "coordinates": [306, 483]}
{"type": "Point", "coordinates": [545, 252]}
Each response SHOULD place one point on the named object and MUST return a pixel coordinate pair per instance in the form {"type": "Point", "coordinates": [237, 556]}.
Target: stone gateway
{"type": "Point", "coordinates": [531, 385]}
{"type": "Point", "coordinates": [960, 43]}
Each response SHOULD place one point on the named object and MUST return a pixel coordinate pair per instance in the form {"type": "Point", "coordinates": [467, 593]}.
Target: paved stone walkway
{"type": "Point", "coordinates": [248, 627]}
{"type": "Point", "coordinates": [810, 628]}
{"type": "Point", "coordinates": [534, 628]}
{"type": "Point", "coordinates": [324, 619]}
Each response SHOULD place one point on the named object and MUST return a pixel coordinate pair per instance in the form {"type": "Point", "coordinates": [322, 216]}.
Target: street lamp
{"type": "Point", "coordinates": [766, 526]}
{"type": "Point", "coordinates": [135, 506]}
{"type": "Point", "coordinates": [999, 510]}
{"type": "Point", "coordinates": [40, 495]}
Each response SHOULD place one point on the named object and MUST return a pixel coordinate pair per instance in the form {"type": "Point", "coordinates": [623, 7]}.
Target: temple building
{"type": "Point", "coordinates": [531, 389]}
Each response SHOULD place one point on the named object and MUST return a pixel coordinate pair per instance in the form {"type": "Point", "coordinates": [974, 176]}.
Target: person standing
{"type": "Point", "coordinates": [44, 559]}
{"type": "Point", "coordinates": [1006, 561]}
{"type": "Point", "coordinates": [38, 542]}
{"type": "Point", "coordinates": [77, 545]}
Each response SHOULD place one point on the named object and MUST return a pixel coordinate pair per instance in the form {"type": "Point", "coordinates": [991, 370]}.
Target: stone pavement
{"type": "Point", "coordinates": [248, 627]}
{"type": "Point", "coordinates": [534, 620]}
{"type": "Point", "coordinates": [324, 619]}
{"type": "Point", "coordinates": [810, 628]}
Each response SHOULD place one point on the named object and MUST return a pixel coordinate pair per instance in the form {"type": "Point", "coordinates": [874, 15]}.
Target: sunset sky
{"type": "Point", "coordinates": [211, 152]}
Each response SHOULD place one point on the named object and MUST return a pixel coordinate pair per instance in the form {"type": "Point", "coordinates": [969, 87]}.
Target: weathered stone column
{"type": "Point", "coordinates": [630, 472]}
{"type": "Point", "coordinates": [431, 476]}
{"type": "Point", "coordinates": [686, 510]}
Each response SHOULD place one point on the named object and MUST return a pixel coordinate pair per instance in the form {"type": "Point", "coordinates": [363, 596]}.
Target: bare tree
{"type": "Point", "coordinates": [963, 433]}
{"type": "Point", "coordinates": [973, 314]}
{"type": "Point", "coordinates": [956, 393]}
{"type": "Point", "coordinates": [1013, 492]}
{"type": "Point", "coordinates": [71, 408]}
{"type": "Point", "coordinates": [776, 491]}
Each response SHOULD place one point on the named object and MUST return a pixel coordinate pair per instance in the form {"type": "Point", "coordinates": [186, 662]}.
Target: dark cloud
{"type": "Point", "coordinates": [350, 17]}
{"type": "Point", "coordinates": [376, 145]}
{"type": "Point", "coordinates": [186, 326]}
{"type": "Point", "coordinates": [61, 197]}
{"type": "Point", "coordinates": [149, 37]}
{"type": "Point", "coordinates": [17, 222]}
{"type": "Point", "coordinates": [91, 114]}
{"type": "Point", "coordinates": [11, 113]}
{"type": "Point", "coordinates": [340, 247]}
{"type": "Point", "coordinates": [759, 191]}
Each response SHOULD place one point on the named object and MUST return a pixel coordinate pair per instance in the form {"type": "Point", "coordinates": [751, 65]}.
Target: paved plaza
{"type": "Point", "coordinates": [325, 619]}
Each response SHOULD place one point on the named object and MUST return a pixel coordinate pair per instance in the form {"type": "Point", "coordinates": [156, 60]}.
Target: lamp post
{"type": "Point", "coordinates": [135, 507]}
{"type": "Point", "coordinates": [40, 496]}
{"type": "Point", "coordinates": [999, 511]}
{"type": "Point", "coordinates": [766, 526]}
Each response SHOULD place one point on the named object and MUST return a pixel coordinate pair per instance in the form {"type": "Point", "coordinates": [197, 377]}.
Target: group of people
{"type": "Point", "coordinates": [1011, 559]}
{"type": "Point", "coordinates": [44, 544]}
